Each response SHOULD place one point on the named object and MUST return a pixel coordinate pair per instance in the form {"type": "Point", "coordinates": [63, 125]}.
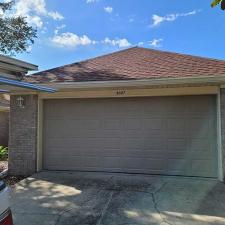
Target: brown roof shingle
{"type": "Point", "coordinates": [133, 64]}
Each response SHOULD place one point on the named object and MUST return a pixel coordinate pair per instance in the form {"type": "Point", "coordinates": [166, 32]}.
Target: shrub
{"type": "Point", "coordinates": [3, 153]}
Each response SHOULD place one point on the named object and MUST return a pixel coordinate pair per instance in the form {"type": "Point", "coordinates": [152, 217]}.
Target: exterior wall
{"type": "Point", "coordinates": [4, 128]}
{"type": "Point", "coordinates": [222, 110]}
{"type": "Point", "coordinates": [23, 136]}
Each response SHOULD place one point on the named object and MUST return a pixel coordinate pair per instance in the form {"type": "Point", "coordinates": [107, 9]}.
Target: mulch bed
{"type": "Point", "coordinates": [12, 180]}
{"type": "Point", "coordinates": [9, 180]}
{"type": "Point", "coordinates": [3, 165]}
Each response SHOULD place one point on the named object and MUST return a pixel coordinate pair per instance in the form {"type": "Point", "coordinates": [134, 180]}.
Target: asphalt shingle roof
{"type": "Point", "coordinates": [133, 64]}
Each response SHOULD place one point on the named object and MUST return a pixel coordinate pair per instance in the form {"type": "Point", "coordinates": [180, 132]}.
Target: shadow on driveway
{"type": "Point", "coordinates": [66, 198]}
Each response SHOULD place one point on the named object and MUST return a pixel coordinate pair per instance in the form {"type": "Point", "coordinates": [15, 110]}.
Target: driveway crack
{"type": "Point", "coordinates": [160, 188]}
{"type": "Point", "coordinates": [105, 208]}
{"type": "Point", "coordinates": [62, 213]}
{"type": "Point", "coordinates": [155, 203]}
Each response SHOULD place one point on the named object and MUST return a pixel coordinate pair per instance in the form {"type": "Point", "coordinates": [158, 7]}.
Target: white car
{"type": "Point", "coordinates": [5, 212]}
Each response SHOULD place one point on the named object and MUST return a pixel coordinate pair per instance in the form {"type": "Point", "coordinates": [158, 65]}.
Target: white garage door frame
{"type": "Point", "coordinates": [126, 93]}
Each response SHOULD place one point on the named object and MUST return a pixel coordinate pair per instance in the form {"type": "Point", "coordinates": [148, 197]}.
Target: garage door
{"type": "Point", "coordinates": [156, 135]}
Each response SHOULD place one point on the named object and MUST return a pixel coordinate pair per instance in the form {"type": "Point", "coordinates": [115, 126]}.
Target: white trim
{"type": "Point", "coordinates": [137, 83]}
{"type": "Point", "coordinates": [219, 139]}
{"type": "Point", "coordinates": [12, 67]}
{"type": "Point", "coordinates": [17, 63]}
{"type": "Point", "coordinates": [40, 135]}
{"type": "Point", "coordinates": [130, 92]}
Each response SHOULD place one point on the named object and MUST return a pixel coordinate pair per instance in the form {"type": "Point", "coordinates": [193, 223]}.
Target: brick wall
{"type": "Point", "coordinates": [23, 136]}
{"type": "Point", "coordinates": [4, 128]}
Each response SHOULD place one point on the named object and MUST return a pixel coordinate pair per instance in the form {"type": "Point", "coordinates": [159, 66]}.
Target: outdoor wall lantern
{"type": "Point", "coordinates": [21, 102]}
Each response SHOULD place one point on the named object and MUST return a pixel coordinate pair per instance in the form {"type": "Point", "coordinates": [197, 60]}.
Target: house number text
{"type": "Point", "coordinates": [120, 92]}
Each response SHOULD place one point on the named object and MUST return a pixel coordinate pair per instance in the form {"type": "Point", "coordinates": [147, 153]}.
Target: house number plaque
{"type": "Point", "coordinates": [120, 92]}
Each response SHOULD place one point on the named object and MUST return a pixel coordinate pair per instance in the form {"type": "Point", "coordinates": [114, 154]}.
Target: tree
{"type": "Point", "coordinates": [15, 33]}
{"type": "Point", "coordinates": [216, 2]}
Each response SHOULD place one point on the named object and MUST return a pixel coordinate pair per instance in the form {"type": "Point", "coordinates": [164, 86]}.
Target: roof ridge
{"type": "Point", "coordinates": [182, 54]}
{"type": "Point", "coordinates": [85, 60]}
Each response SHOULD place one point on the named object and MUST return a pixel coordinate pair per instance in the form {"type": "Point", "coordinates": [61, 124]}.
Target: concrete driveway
{"type": "Point", "coordinates": [63, 198]}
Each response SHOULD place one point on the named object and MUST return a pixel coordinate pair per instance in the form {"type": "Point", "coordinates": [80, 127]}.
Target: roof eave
{"type": "Point", "coordinates": [26, 85]}
{"type": "Point", "coordinates": [17, 63]}
{"type": "Point", "coordinates": [135, 83]}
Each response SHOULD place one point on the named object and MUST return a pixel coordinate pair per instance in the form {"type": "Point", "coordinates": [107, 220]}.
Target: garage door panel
{"type": "Point", "coordinates": [129, 164]}
{"type": "Point", "coordinates": [153, 133]}
{"type": "Point", "coordinates": [153, 153]}
{"type": "Point", "coordinates": [133, 123]}
{"type": "Point", "coordinates": [112, 124]}
{"type": "Point", "coordinates": [154, 143]}
{"type": "Point", "coordinates": [132, 143]}
{"type": "Point", "coordinates": [175, 109]}
{"type": "Point", "coordinates": [176, 124]}
{"type": "Point", "coordinates": [177, 144]}
{"type": "Point", "coordinates": [179, 166]}
{"type": "Point", "coordinates": [74, 142]}
{"type": "Point", "coordinates": [158, 135]}
{"type": "Point", "coordinates": [199, 124]}
{"type": "Point", "coordinates": [200, 133]}
{"type": "Point", "coordinates": [205, 167]}
{"type": "Point", "coordinates": [177, 133]}
{"type": "Point", "coordinates": [154, 124]}
{"type": "Point", "coordinates": [72, 162]}
{"type": "Point", "coordinates": [201, 144]}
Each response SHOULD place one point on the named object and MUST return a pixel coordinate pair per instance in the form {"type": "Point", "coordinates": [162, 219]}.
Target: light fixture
{"type": "Point", "coordinates": [21, 102]}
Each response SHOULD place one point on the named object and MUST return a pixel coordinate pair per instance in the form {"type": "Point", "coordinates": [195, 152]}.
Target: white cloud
{"type": "Point", "coordinates": [35, 20]}
{"type": "Point", "coordinates": [141, 43]}
{"type": "Point", "coordinates": [108, 9]}
{"type": "Point", "coordinates": [29, 49]}
{"type": "Point", "coordinates": [1, 12]}
{"type": "Point", "coordinates": [34, 11]}
{"type": "Point", "coordinates": [117, 42]}
{"type": "Point", "coordinates": [156, 43]}
{"type": "Point", "coordinates": [71, 40]}
{"type": "Point", "coordinates": [59, 28]}
{"type": "Point", "coordinates": [157, 20]}
{"type": "Point", "coordinates": [91, 1]}
{"type": "Point", "coordinates": [56, 15]}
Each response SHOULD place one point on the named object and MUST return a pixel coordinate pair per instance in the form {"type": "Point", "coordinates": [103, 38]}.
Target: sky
{"type": "Point", "coordinates": [75, 30]}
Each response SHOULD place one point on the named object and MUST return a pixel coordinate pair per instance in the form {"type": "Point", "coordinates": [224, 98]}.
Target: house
{"type": "Point", "coordinates": [4, 119]}
{"type": "Point", "coordinates": [133, 111]}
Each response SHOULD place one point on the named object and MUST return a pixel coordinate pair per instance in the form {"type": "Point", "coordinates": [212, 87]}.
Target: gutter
{"type": "Point", "coordinates": [21, 84]}
{"type": "Point", "coordinates": [213, 80]}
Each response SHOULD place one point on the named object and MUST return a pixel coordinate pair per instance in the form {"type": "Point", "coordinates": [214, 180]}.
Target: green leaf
{"type": "Point", "coordinates": [215, 3]}
{"type": "Point", "coordinates": [16, 34]}
{"type": "Point", "coordinates": [3, 153]}
{"type": "Point", "coordinates": [223, 5]}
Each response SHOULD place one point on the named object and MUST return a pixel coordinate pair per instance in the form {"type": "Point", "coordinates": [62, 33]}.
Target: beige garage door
{"type": "Point", "coordinates": [157, 135]}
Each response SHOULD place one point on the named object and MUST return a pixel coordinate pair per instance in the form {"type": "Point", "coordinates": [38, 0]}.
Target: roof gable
{"type": "Point", "coordinates": [133, 64]}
